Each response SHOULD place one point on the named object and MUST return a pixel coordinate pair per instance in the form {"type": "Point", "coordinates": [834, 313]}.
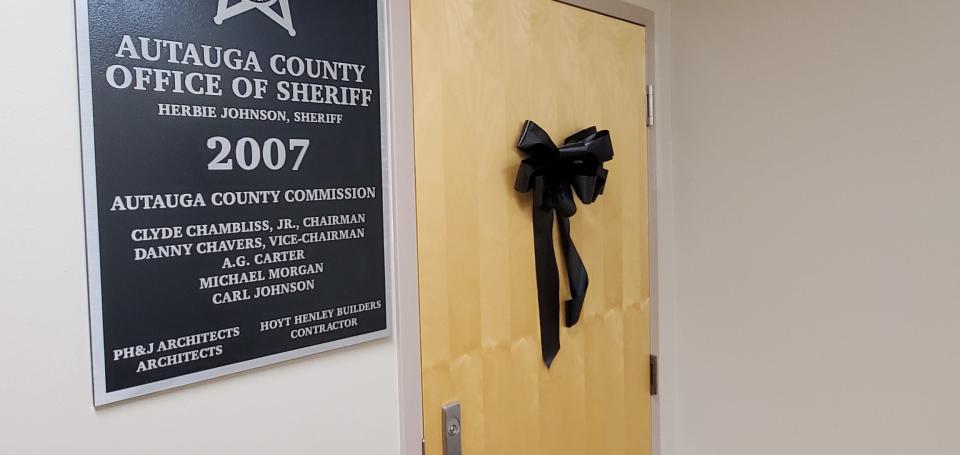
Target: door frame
{"type": "Point", "coordinates": [399, 124]}
{"type": "Point", "coordinates": [400, 136]}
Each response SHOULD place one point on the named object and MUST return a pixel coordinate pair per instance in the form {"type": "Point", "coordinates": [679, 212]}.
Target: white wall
{"type": "Point", "coordinates": [338, 403]}
{"type": "Point", "coordinates": [817, 152]}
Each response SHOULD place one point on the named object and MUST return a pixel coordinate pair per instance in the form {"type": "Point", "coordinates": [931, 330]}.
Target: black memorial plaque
{"type": "Point", "coordinates": [233, 184]}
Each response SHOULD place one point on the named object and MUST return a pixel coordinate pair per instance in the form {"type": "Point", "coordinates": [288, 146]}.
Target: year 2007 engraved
{"type": "Point", "coordinates": [249, 154]}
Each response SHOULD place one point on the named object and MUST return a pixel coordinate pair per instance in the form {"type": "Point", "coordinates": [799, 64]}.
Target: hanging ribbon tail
{"type": "Point", "coordinates": [548, 283]}
{"type": "Point", "coordinates": [576, 275]}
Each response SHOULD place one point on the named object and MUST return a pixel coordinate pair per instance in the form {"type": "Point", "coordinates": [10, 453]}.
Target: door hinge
{"type": "Point", "coordinates": [423, 446]}
{"type": "Point", "coordinates": [654, 376]}
{"type": "Point", "coordinates": [651, 109]}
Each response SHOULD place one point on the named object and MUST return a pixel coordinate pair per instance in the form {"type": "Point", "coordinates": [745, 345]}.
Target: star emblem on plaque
{"type": "Point", "coordinates": [226, 10]}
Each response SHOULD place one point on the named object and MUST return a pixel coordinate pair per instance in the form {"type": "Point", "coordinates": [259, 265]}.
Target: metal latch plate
{"type": "Point", "coordinates": [452, 429]}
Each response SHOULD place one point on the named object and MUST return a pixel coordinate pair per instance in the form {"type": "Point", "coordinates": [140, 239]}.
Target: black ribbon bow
{"type": "Point", "coordinates": [550, 172]}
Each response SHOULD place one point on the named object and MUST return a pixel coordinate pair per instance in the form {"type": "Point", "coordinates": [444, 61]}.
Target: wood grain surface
{"type": "Point", "coordinates": [482, 67]}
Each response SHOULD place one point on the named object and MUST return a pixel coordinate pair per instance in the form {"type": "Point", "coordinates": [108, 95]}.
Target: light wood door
{"type": "Point", "coordinates": [482, 67]}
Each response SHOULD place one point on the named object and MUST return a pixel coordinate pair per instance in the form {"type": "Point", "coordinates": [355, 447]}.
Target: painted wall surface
{"type": "Point", "coordinates": [341, 402]}
{"type": "Point", "coordinates": [818, 256]}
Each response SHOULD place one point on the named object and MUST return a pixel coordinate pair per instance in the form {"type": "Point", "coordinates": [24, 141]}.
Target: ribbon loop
{"type": "Point", "coordinates": [555, 174]}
